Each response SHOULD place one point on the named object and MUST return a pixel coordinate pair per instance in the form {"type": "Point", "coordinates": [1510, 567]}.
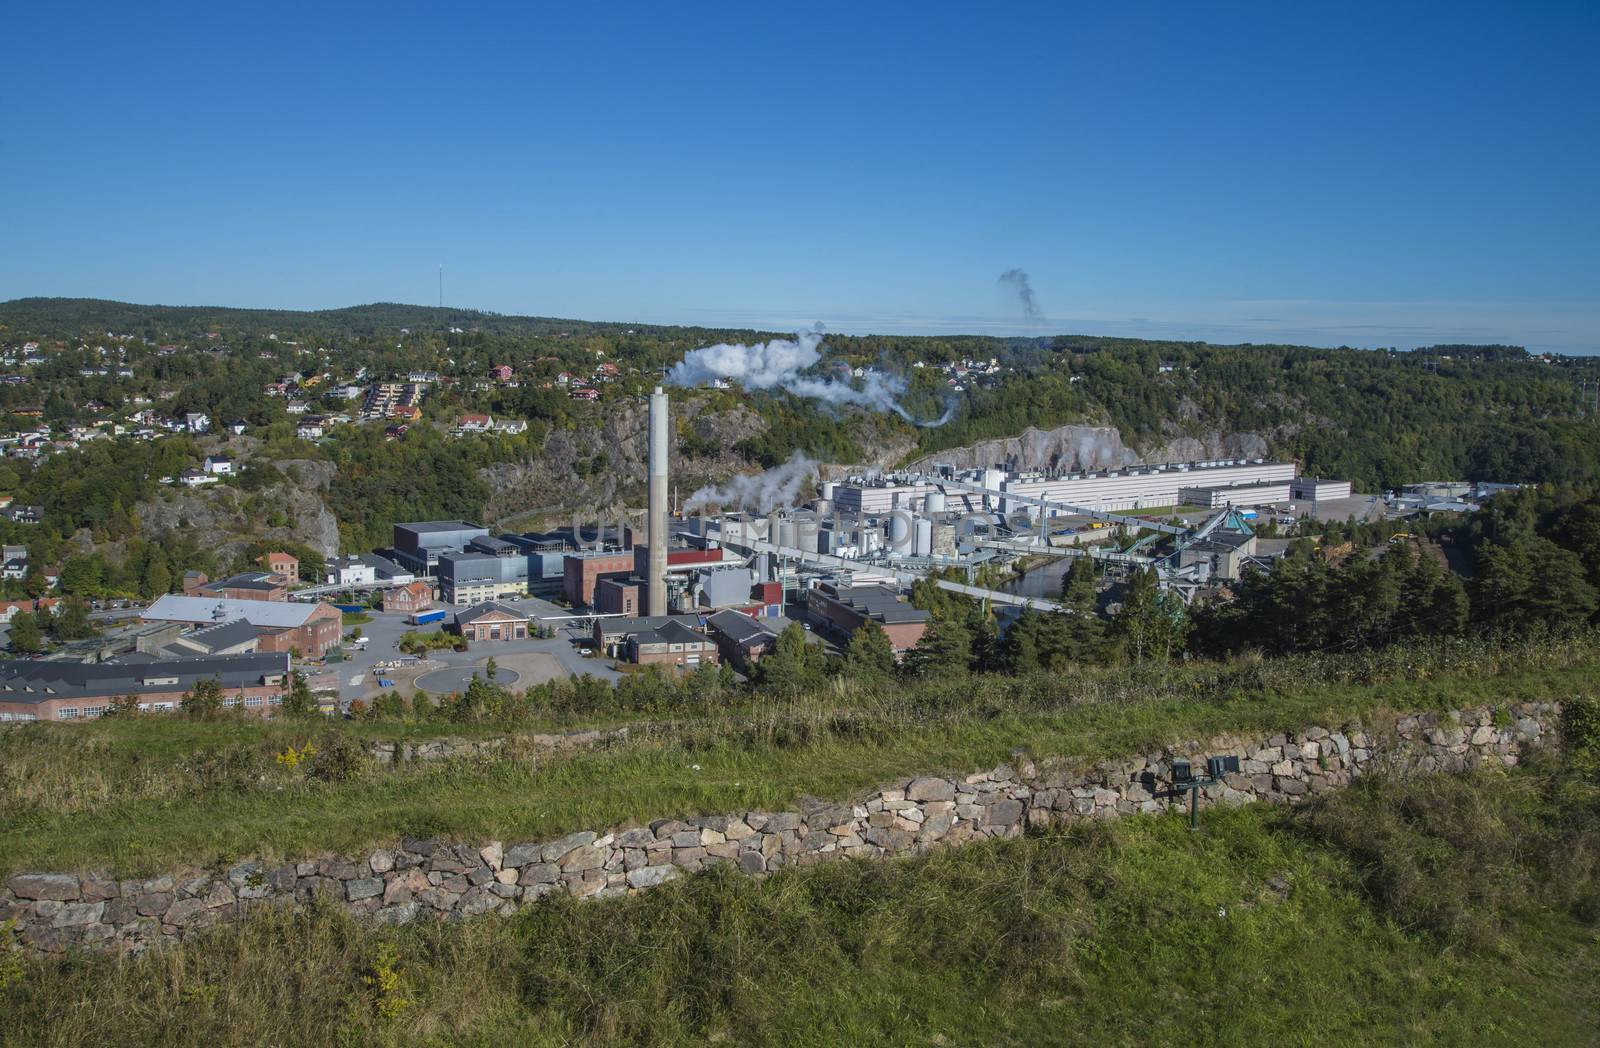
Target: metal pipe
{"type": "Point", "coordinates": [660, 436]}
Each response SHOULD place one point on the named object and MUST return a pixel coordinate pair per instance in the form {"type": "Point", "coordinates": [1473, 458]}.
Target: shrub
{"type": "Point", "coordinates": [339, 758]}
{"type": "Point", "coordinates": [1580, 724]}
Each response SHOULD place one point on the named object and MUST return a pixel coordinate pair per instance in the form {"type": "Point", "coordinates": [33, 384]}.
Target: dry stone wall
{"type": "Point", "coordinates": [431, 879]}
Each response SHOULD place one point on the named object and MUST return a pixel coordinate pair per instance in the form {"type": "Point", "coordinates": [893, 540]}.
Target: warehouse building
{"type": "Point", "coordinates": [1268, 494]}
{"type": "Point", "coordinates": [845, 609]}
{"type": "Point", "coordinates": [77, 691]}
{"type": "Point", "coordinates": [418, 546]}
{"type": "Point", "coordinates": [1315, 489]}
{"type": "Point", "coordinates": [310, 629]}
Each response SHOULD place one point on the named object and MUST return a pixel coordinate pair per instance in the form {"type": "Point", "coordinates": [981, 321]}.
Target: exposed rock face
{"type": "Point", "coordinates": [218, 513]}
{"type": "Point", "coordinates": [1092, 447]}
{"type": "Point", "coordinates": [601, 470]}
{"type": "Point", "coordinates": [435, 879]}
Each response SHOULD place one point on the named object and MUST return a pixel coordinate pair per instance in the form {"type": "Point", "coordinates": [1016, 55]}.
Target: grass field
{"type": "Point", "coordinates": [143, 796]}
{"type": "Point", "coordinates": [1436, 911]}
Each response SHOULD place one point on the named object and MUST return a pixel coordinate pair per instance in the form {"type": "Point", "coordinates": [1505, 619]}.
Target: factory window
{"type": "Point", "coordinates": [229, 704]}
{"type": "Point", "coordinates": [253, 701]}
{"type": "Point", "coordinates": [93, 711]}
{"type": "Point", "coordinates": [67, 713]}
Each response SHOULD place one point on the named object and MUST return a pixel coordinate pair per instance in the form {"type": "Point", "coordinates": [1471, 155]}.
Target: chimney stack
{"type": "Point", "coordinates": [656, 523]}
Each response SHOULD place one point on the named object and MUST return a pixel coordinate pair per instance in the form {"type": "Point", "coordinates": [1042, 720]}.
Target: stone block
{"type": "Point", "coordinates": [930, 789]}
{"type": "Point", "coordinates": [650, 876]}
{"type": "Point", "coordinates": [363, 888]}
{"type": "Point", "coordinates": [519, 855]}
{"type": "Point", "coordinates": [56, 887]}
{"type": "Point", "coordinates": [555, 850]}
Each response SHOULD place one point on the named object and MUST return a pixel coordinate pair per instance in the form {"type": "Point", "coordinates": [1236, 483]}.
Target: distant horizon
{"type": "Point", "coordinates": [778, 322]}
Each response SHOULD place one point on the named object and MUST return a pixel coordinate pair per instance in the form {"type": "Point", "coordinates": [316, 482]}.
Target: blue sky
{"type": "Point", "coordinates": [1384, 174]}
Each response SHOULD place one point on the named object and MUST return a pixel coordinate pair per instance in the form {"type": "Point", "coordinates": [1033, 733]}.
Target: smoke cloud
{"type": "Point", "coordinates": [777, 488]}
{"type": "Point", "coordinates": [782, 363]}
{"type": "Point", "coordinates": [1017, 279]}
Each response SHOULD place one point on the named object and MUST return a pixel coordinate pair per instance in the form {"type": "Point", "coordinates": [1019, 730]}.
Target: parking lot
{"type": "Point", "coordinates": [532, 660]}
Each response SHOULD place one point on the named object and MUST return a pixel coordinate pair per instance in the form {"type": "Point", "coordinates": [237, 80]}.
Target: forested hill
{"type": "Point", "coordinates": [66, 317]}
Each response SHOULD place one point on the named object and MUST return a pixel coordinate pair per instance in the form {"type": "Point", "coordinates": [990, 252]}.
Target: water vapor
{"type": "Point", "coordinates": [783, 364]}
{"type": "Point", "coordinates": [1017, 280]}
{"type": "Point", "coordinates": [778, 488]}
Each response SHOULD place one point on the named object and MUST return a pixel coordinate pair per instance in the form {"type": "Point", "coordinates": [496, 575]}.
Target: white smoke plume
{"type": "Point", "coordinates": [777, 488]}
{"type": "Point", "coordinates": [1018, 279]}
{"type": "Point", "coordinates": [780, 363]}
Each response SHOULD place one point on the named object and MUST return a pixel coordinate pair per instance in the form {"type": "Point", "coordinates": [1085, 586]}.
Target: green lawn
{"type": "Point", "coordinates": [157, 805]}
{"type": "Point", "coordinates": [1270, 926]}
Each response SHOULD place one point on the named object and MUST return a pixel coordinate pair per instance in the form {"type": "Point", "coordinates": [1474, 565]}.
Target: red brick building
{"type": "Point", "coordinates": [844, 609]}
{"type": "Point", "coordinates": [614, 596]}
{"type": "Point", "coordinates": [491, 621]}
{"type": "Point", "coordinates": [78, 691]}
{"type": "Point", "coordinates": [580, 572]}
{"type": "Point", "coordinates": [284, 564]}
{"type": "Point", "coordinates": [671, 644]}
{"type": "Point", "coordinates": [410, 598]}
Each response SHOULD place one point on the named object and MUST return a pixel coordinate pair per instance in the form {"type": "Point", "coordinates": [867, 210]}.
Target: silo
{"type": "Point", "coordinates": [899, 532]}
{"type": "Point", "coordinates": [789, 534]}
{"type": "Point", "coordinates": [922, 546]}
{"type": "Point", "coordinates": [827, 490]}
{"type": "Point", "coordinates": [935, 502]}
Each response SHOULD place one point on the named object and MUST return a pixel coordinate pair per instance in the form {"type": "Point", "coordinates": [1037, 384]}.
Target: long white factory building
{"type": "Point", "coordinates": [1131, 488]}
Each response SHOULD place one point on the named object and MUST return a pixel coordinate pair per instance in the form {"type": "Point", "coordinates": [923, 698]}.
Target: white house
{"type": "Point", "coordinates": [351, 571]}
{"type": "Point", "coordinates": [197, 422]}
{"type": "Point", "coordinates": [194, 478]}
{"type": "Point", "coordinates": [218, 465]}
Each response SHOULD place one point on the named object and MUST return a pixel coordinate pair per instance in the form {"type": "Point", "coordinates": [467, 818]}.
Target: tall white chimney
{"type": "Point", "coordinates": [656, 524]}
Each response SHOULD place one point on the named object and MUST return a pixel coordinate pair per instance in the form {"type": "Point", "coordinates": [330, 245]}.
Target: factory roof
{"type": "Point", "coordinates": [24, 680]}
{"type": "Point", "coordinates": [879, 602]}
{"type": "Point", "coordinates": [250, 580]}
{"type": "Point", "coordinates": [265, 613]}
{"type": "Point", "coordinates": [227, 635]}
{"type": "Point", "coordinates": [672, 631]}
{"type": "Point", "coordinates": [426, 527]}
{"type": "Point", "coordinates": [740, 628]}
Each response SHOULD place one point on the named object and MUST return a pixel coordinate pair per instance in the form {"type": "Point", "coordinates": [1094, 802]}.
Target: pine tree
{"type": "Point", "coordinates": [1151, 625]}
{"type": "Point", "coordinates": [870, 654]}
{"type": "Point", "coordinates": [944, 650]}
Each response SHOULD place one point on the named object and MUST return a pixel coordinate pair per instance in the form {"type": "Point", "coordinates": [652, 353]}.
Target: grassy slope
{"type": "Point", "coordinates": [1267, 927]}
{"type": "Point", "coordinates": [139, 826]}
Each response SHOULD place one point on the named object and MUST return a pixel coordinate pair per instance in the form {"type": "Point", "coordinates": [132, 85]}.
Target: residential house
{"type": "Point", "coordinates": [218, 465]}
{"type": "Point", "coordinates": [408, 599]}
{"type": "Point", "coordinates": [197, 422]}
{"type": "Point", "coordinates": [285, 564]}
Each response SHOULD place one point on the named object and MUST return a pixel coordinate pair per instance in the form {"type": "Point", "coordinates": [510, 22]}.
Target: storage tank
{"type": "Point", "coordinates": [922, 546]}
{"type": "Point", "coordinates": [935, 502]}
{"type": "Point", "coordinates": [899, 532]}
{"type": "Point", "coordinates": [993, 478]}
{"type": "Point", "coordinates": [827, 490]}
{"type": "Point", "coordinates": [788, 534]}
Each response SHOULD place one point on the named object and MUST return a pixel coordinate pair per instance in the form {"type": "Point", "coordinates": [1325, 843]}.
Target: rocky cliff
{"type": "Point", "coordinates": [1093, 447]}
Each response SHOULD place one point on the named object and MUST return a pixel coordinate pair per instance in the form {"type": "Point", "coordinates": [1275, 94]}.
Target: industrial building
{"type": "Point", "coordinates": [1130, 488]}
{"type": "Point", "coordinates": [1270, 493]}
{"type": "Point", "coordinates": [418, 545]}
{"type": "Point", "coordinates": [312, 629]}
{"type": "Point", "coordinates": [250, 585]}
{"type": "Point", "coordinates": [845, 608]}
{"type": "Point", "coordinates": [76, 691]}
{"type": "Point", "coordinates": [1315, 489]}
{"type": "Point", "coordinates": [491, 621]}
